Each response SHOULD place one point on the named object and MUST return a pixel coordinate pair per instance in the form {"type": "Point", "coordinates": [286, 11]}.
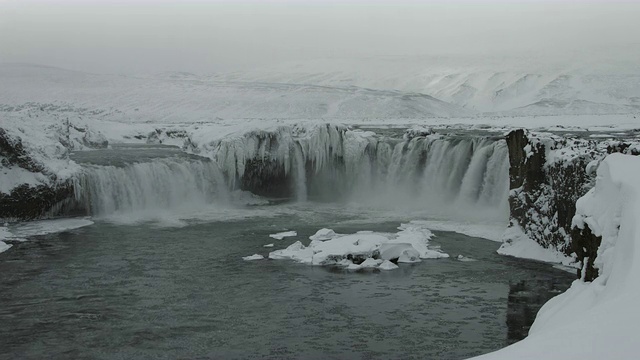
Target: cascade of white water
{"type": "Point", "coordinates": [160, 184]}
{"type": "Point", "coordinates": [300, 175]}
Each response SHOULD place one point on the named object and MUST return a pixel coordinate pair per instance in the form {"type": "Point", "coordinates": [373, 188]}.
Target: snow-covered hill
{"type": "Point", "coordinates": [506, 86]}
{"type": "Point", "coordinates": [180, 97]}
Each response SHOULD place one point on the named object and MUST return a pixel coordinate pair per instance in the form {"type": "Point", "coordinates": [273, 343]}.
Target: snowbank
{"type": "Point", "coordinates": [596, 320]}
{"type": "Point", "coordinates": [365, 249]}
{"type": "Point", "coordinates": [517, 244]}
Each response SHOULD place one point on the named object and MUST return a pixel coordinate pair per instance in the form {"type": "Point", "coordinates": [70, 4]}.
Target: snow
{"type": "Point", "coordinates": [387, 265]}
{"type": "Point", "coordinates": [323, 234]}
{"type": "Point", "coordinates": [596, 320]}
{"type": "Point", "coordinates": [410, 244]}
{"type": "Point", "coordinates": [282, 235]}
{"type": "Point", "coordinates": [253, 257]}
{"type": "Point", "coordinates": [517, 244]}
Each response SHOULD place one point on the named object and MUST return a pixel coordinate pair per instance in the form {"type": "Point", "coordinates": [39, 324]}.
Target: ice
{"type": "Point", "coordinates": [387, 265]}
{"type": "Point", "coordinates": [296, 251]}
{"type": "Point", "coordinates": [43, 227]}
{"type": "Point", "coordinates": [464, 258]}
{"type": "Point", "coordinates": [517, 244]}
{"type": "Point", "coordinates": [408, 245]}
{"type": "Point", "coordinates": [253, 257]}
{"type": "Point", "coordinates": [268, 245]}
{"type": "Point", "coordinates": [370, 263]}
{"type": "Point", "coordinates": [282, 235]}
{"type": "Point", "coordinates": [401, 252]}
{"type": "Point", "coordinates": [323, 234]}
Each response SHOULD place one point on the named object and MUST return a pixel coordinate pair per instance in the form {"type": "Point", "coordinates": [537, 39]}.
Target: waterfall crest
{"type": "Point", "coordinates": [322, 162]}
{"type": "Point", "coordinates": [159, 184]}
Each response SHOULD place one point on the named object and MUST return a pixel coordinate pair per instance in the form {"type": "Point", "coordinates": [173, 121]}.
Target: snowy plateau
{"type": "Point", "coordinates": [538, 159]}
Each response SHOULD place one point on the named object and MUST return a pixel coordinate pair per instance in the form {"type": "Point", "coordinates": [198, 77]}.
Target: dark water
{"type": "Point", "coordinates": [142, 292]}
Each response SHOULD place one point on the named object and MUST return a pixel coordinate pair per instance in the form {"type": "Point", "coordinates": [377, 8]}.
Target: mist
{"type": "Point", "coordinates": [209, 37]}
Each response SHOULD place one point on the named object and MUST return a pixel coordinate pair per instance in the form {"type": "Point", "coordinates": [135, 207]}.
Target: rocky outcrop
{"type": "Point", "coordinates": [543, 193]}
{"type": "Point", "coordinates": [12, 152]}
{"type": "Point", "coordinates": [548, 174]}
{"type": "Point", "coordinates": [28, 203]}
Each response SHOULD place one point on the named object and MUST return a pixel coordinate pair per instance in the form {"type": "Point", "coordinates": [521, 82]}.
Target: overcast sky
{"type": "Point", "coordinates": [205, 37]}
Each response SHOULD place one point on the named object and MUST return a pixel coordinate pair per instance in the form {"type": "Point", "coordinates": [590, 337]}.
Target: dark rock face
{"type": "Point", "coordinates": [585, 244]}
{"type": "Point", "coordinates": [542, 198]}
{"type": "Point", "coordinates": [28, 203]}
{"type": "Point", "coordinates": [266, 177]}
{"type": "Point", "coordinates": [543, 194]}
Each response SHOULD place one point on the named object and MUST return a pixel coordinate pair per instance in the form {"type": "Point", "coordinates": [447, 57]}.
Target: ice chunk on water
{"type": "Point", "coordinates": [296, 251]}
{"type": "Point", "coordinates": [371, 263]}
{"type": "Point", "coordinates": [356, 245]}
{"type": "Point", "coordinates": [282, 235]}
{"type": "Point", "coordinates": [323, 234]}
{"type": "Point", "coordinates": [395, 251]}
{"type": "Point", "coordinates": [464, 258]}
{"type": "Point", "coordinates": [253, 257]}
{"type": "Point", "coordinates": [387, 265]}
{"type": "Point", "coordinates": [268, 245]}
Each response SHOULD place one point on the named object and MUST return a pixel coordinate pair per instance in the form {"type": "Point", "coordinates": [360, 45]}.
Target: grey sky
{"type": "Point", "coordinates": [205, 37]}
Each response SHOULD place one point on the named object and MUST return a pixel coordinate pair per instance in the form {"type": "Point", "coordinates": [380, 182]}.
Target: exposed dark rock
{"type": "Point", "coordinates": [27, 203]}
{"type": "Point", "coordinates": [542, 199]}
{"type": "Point", "coordinates": [267, 177]}
{"type": "Point", "coordinates": [543, 194]}
{"type": "Point", "coordinates": [585, 244]}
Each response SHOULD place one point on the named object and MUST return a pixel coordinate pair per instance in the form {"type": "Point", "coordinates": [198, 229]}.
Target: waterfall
{"type": "Point", "coordinates": [434, 173]}
{"type": "Point", "coordinates": [300, 175]}
{"type": "Point", "coordinates": [332, 163]}
{"type": "Point", "coordinates": [161, 184]}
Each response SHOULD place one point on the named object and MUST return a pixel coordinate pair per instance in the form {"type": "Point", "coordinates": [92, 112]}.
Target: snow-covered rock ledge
{"type": "Point", "coordinates": [548, 173]}
{"type": "Point", "coordinates": [596, 320]}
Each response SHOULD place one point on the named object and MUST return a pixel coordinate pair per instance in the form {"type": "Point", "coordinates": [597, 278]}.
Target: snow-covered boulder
{"type": "Point", "coordinates": [95, 140]}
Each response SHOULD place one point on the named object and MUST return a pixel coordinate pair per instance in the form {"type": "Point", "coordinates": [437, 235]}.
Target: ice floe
{"type": "Point", "coordinates": [364, 249]}
{"type": "Point", "coordinates": [253, 257]}
{"type": "Point", "coordinates": [282, 235]}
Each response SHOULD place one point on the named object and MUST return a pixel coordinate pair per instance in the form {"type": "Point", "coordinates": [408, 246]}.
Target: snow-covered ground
{"type": "Point", "coordinates": [596, 320]}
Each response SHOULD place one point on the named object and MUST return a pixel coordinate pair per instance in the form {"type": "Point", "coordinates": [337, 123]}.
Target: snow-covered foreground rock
{"type": "Point", "coordinates": [365, 249]}
{"type": "Point", "coordinates": [599, 319]}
